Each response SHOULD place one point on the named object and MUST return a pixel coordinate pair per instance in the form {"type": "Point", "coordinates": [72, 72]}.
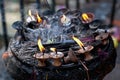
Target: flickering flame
{"type": "Point", "coordinates": [39, 20]}
{"type": "Point", "coordinates": [85, 17]}
{"type": "Point", "coordinates": [41, 47]}
{"type": "Point", "coordinates": [29, 13]}
{"type": "Point", "coordinates": [63, 19]}
{"type": "Point", "coordinates": [78, 42]}
{"type": "Point", "coordinates": [53, 49]}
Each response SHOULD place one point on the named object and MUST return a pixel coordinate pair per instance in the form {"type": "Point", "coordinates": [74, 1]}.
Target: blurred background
{"type": "Point", "coordinates": [16, 10]}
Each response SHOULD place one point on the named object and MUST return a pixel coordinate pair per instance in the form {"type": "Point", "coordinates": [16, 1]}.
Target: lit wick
{"type": "Point", "coordinates": [56, 57]}
{"type": "Point", "coordinates": [31, 17]}
{"type": "Point", "coordinates": [65, 20]}
{"type": "Point", "coordinates": [78, 42]}
{"type": "Point", "coordinates": [42, 57]}
{"type": "Point", "coordinates": [87, 17]}
{"type": "Point", "coordinates": [30, 14]}
{"type": "Point", "coordinates": [39, 20]}
{"type": "Point", "coordinates": [84, 50]}
{"type": "Point", "coordinates": [54, 50]}
{"type": "Point", "coordinates": [83, 47]}
{"type": "Point", "coordinates": [42, 49]}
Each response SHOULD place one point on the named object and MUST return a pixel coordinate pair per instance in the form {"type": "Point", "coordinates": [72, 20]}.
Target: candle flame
{"type": "Point", "coordinates": [39, 20]}
{"type": "Point", "coordinates": [85, 17]}
{"type": "Point", "coordinates": [78, 42]}
{"type": "Point", "coordinates": [53, 49]}
{"type": "Point", "coordinates": [63, 19]}
{"type": "Point", "coordinates": [41, 47]}
{"type": "Point", "coordinates": [30, 13]}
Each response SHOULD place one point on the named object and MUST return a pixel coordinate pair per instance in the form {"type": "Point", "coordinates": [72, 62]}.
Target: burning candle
{"type": "Point", "coordinates": [54, 50]}
{"type": "Point", "coordinates": [84, 49]}
{"type": "Point", "coordinates": [31, 17]}
{"type": "Point", "coordinates": [42, 57]}
{"type": "Point", "coordinates": [56, 57]}
{"type": "Point", "coordinates": [87, 17]}
{"type": "Point", "coordinates": [78, 42]}
{"type": "Point", "coordinates": [65, 20]}
{"type": "Point", "coordinates": [39, 20]}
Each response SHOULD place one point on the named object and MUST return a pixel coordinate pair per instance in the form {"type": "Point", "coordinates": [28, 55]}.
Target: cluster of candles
{"type": "Point", "coordinates": [32, 17]}
{"type": "Point", "coordinates": [56, 56]}
{"type": "Point", "coordinates": [86, 18]}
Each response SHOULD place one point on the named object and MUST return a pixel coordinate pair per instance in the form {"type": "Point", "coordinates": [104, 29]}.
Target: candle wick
{"type": "Point", "coordinates": [43, 53]}
{"type": "Point", "coordinates": [56, 52]}
{"type": "Point", "coordinates": [31, 17]}
{"type": "Point", "coordinates": [83, 48]}
{"type": "Point", "coordinates": [65, 19]}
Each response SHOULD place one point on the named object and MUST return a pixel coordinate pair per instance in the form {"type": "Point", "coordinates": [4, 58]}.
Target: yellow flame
{"type": "Point", "coordinates": [78, 42]}
{"type": "Point", "coordinates": [85, 17]}
{"type": "Point", "coordinates": [29, 13]}
{"type": "Point", "coordinates": [41, 47]}
{"type": "Point", "coordinates": [53, 49]}
{"type": "Point", "coordinates": [39, 20]}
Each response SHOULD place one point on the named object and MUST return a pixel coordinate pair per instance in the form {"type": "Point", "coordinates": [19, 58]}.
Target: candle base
{"type": "Point", "coordinates": [57, 58]}
{"type": "Point", "coordinates": [86, 52]}
{"type": "Point", "coordinates": [88, 56]}
{"type": "Point", "coordinates": [41, 59]}
{"type": "Point", "coordinates": [41, 63]}
{"type": "Point", "coordinates": [57, 62]}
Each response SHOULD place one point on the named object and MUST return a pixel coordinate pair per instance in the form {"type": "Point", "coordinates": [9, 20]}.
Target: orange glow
{"type": "Point", "coordinates": [53, 49]}
{"type": "Point", "coordinates": [39, 20]}
{"type": "Point", "coordinates": [5, 55]}
{"type": "Point", "coordinates": [78, 42]}
{"type": "Point", "coordinates": [41, 47]}
{"type": "Point", "coordinates": [85, 17]}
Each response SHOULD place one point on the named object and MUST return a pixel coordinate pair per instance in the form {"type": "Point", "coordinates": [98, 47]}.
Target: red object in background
{"type": "Point", "coordinates": [5, 55]}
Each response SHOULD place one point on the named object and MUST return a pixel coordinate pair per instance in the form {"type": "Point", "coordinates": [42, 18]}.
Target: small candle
{"type": "Point", "coordinates": [86, 52]}
{"type": "Point", "coordinates": [65, 20]}
{"type": "Point", "coordinates": [79, 42]}
{"type": "Point", "coordinates": [87, 17]}
{"type": "Point", "coordinates": [56, 56]}
{"type": "Point", "coordinates": [84, 49]}
{"type": "Point", "coordinates": [42, 57]}
{"type": "Point", "coordinates": [31, 17]}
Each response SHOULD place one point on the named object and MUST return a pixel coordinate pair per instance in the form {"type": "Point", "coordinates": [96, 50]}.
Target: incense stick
{"type": "Point", "coordinates": [88, 78]}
